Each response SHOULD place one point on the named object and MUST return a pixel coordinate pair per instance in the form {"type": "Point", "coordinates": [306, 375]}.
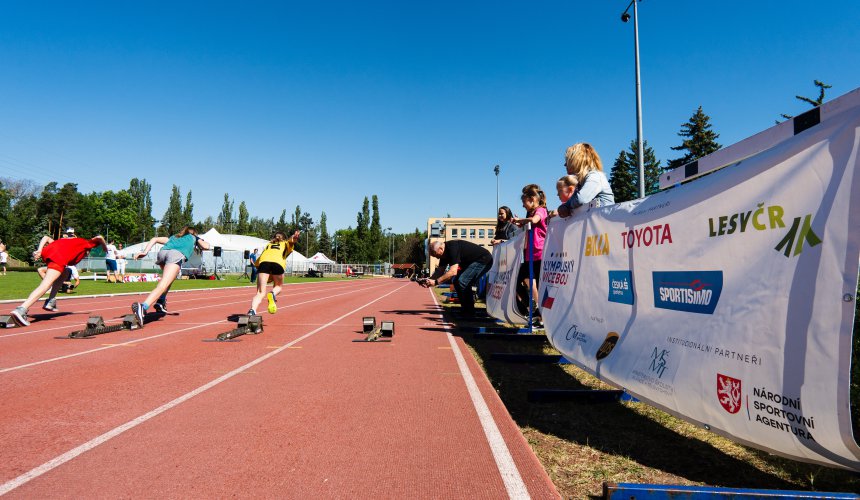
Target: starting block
{"type": "Point", "coordinates": [247, 325]}
{"type": "Point", "coordinates": [368, 324]}
{"type": "Point", "coordinates": [96, 326]}
{"type": "Point", "coordinates": [385, 329]}
{"type": "Point", "coordinates": [131, 322]}
{"type": "Point", "coordinates": [7, 321]}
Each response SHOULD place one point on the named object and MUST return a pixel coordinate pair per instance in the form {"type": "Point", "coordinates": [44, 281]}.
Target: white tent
{"type": "Point", "coordinates": [320, 258]}
{"type": "Point", "coordinates": [232, 258]}
{"type": "Point", "coordinates": [296, 262]}
{"type": "Point", "coordinates": [237, 242]}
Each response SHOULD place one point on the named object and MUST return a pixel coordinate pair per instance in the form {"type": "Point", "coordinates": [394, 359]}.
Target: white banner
{"type": "Point", "coordinates": [728, 301]}
{"type": "Point", "coordinates": [501, 280]}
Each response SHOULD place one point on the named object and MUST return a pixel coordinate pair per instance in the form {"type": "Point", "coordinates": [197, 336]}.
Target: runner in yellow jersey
{"type": "Point", "coordinates": [272, 262]}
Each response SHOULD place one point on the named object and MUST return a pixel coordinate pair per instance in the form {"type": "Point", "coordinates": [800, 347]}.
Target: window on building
{"type": "Point", "coordinates": [480, 233]}
{"type": "Point", "coordinates": [463, 233]}
{"type": "Point", "coordinates": [491, 233]}
{"type": "Point", "coordinates": [453, 233]}
{"type": "Point", "coordinates": [472, 233]}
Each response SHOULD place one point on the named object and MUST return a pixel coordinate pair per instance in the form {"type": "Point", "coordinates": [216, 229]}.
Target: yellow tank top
{"type": "Point", "coordinates": [276, 253]}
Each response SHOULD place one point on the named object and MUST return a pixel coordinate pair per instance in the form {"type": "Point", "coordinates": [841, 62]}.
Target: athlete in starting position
{"type": "Point", "coordinates": [272, 262]}
{"type": "Point", "coordinates": [57, 254]}
{"type": "Point", "coordinates": [176, 250]}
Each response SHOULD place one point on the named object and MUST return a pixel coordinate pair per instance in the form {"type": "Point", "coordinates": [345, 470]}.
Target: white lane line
{"type": "Point", "coordinates": [142, 339]}
{"type": "Point", "coordinates": [89, 445]}
{"type": "Point", "coordinates": [504, 461]}
{"type": "Point", "coordinates": [30, 332]}
{"type": "Point", "coordinates": [188, 290]}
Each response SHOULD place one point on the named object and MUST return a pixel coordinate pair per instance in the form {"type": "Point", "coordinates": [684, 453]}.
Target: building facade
{"type": "Point", "coordinates": [479, 231]}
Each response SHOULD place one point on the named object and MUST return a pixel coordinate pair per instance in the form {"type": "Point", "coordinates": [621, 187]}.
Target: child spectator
{"type": "Point", "coordinates": [176, 250]}
{"type": "Point", "coordinates": [534, 201]}
{"type": "Point", "coordinates": [272, 262]}
{"type": "Point", "coordinates": [57, 254]}
{"type": "Point", "coordinates": [565, 187]}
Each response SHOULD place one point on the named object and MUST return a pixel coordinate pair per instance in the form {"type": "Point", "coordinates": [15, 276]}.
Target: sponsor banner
{"type": "Point", "coordinates": [728, 301]}
{"type": "Point", "coordinates": [501, 281]}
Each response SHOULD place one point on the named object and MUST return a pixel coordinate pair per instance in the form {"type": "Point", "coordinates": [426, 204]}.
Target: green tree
{"type": "Point", "coordinates": [699, 140]}
{"type": "Point", "coordinates": [324, 238]}
{"type": "Point", "coordinates": [243, 219]}
{"type": "Point", "coordinates": [141, 192]}
{"type": "Point", "coordinates": [173, 218]}
{"type": "Point", "coordinates": [623, 180]}
{"type": "Point", "coordinates": [306, 226]}
{"type": "Point", "coordinates": [812, 102]}
{"type": "Point", "coordinates": [376, 240]}
{"type": "Point", "coordinates": [118, 215]}
{"type": "Point", "coordinates": [188, 211]}
{"type": "Point", "coordinates": [625, 173]}
{"type": "Point", "coordinates": [6, 213]}
{"type": "Point", "coordinates": [282, 223]}
{"type": "Point", "coordinates": [225, 216]}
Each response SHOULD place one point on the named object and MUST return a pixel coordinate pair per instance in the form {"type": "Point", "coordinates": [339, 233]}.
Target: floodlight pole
{"type": "Point", "coordinates": [640, 158]}
{"type": "Point", "coordinates": [496, 169]}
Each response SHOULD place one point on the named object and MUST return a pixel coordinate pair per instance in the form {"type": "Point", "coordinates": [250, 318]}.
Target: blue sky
{"type": "Point", "coordinates": [319, 104]}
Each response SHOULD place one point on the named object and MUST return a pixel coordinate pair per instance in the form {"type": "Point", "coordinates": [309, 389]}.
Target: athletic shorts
{"type": "Point", "coordinates": [65, 252]}
{"type": "Point", "coordinates": [270, 268]}
{"type": "Point", "coordinates": [169, 257]}
{"type": "Point", "coordinates": [111, 264]}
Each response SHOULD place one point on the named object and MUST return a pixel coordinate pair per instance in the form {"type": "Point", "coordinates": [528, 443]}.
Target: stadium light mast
{"type": "Point", "coordinates": [496, 169]}
{"type": "Point", "coordinates": [640, 159]}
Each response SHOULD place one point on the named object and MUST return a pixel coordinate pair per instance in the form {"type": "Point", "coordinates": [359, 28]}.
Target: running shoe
{"type": "Point", "coordinates": [50, 305]}
{"type": "Point", "coordinates": [252, 312]}
{"type": "Point", "coordinates": [19, 314]}
{"type": "Point", "coordinates": [137, 309]}
{"type": "Point", "coordinates": [273, 303]}
{"type": "Point", "coordinates": [537, 322]}
{"type": "Point", "coordinates": [162, 308]}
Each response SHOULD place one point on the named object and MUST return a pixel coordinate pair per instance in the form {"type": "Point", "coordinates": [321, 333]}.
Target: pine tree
{"type": "Point", "coordinates": [623, 180]}
{"type": "Point", "coordinates": [699, 140]}
{"type": "Point", "coordinates": [625, 173]}
{"type": "Point", "coordinates": [812, 102]}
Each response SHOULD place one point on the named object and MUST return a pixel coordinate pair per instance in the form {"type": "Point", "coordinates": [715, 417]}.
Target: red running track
{"type": "Point", "coordinates": [298, 411]}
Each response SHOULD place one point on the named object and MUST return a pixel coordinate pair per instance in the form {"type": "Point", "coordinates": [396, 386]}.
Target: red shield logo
{"type": "Point", "coordinates": [729, 393]}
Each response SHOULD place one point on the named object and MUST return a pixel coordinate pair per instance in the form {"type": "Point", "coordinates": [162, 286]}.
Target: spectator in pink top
{"type": "Point", "coordinates": [534, 201]}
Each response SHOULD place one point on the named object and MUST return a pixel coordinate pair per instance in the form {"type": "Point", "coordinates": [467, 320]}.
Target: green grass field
{"type": "Point", "coordinates": [18, 285]}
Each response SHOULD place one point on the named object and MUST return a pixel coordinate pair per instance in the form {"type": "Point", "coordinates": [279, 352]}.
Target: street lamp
{"type": "Point", "coordinates": [496, 170]}
{"type": "Point", "coordinates": [639, 153]}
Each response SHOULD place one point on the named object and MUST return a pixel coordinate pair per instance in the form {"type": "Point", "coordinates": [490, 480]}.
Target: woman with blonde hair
{"type": "Point", "coordinates": [583, 162]}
